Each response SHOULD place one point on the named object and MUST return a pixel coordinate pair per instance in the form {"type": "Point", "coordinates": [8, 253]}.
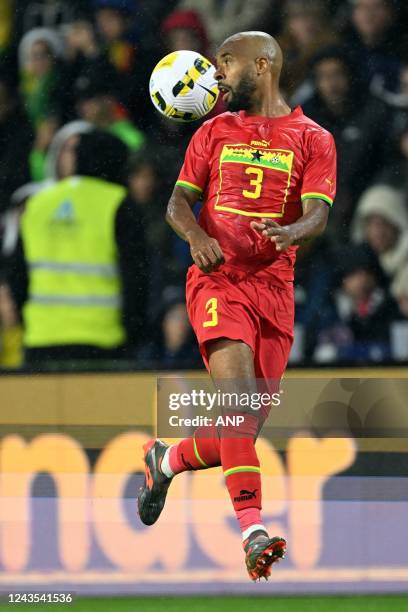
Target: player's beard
{"type": "Point", "coordinates": [241, 98]}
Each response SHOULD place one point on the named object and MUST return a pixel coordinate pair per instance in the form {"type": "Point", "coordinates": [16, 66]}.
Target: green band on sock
{"type": "Point", "coordinates": [242, 468]}
{"type": "Point", "coordinates": [197, 454]}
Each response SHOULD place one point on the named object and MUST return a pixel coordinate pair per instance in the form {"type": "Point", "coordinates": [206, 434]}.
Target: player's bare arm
{"type": "Point", "coordinates": [205, 251]}
{"type": "Point", "coordinates": [310, 225]}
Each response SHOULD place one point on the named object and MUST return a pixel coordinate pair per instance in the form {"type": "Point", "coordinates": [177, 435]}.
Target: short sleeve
{"type": "Point", "coordinates": [319, 176]}
{"type": "Point", "coordinates": [196, 166]}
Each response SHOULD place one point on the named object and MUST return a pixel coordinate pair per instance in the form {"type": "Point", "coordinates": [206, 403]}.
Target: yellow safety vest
{"type": "Point", "coordinates": [68, 233]}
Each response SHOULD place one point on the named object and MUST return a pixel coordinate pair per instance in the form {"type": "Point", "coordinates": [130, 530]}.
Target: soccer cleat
{"type": "Point", "coordinates": [153, 493]}
{"type": "Point", "coordinates": [261, 552]}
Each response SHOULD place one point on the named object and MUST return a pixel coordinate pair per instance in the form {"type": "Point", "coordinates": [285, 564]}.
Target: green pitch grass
{"type": "Point", "coordinates": [225, 604]}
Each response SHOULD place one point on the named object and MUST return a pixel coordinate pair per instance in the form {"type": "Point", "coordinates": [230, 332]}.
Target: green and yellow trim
{"type": "Point", "coordinates": [242, 468]}
{"type": "Point", "coordinates": [189, 186]}
{"type": "Point", "coordinates": [197, 454]}
{"type": "Point", "coordinates": [317, 196]}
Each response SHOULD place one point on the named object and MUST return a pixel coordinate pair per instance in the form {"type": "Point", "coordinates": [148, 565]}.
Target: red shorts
{"type": "Point", "coordinates": [258, 312]}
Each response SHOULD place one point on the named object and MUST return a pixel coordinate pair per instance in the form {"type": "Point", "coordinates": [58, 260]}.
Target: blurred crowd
{"type": "Point", "coordinates": [74, 103]}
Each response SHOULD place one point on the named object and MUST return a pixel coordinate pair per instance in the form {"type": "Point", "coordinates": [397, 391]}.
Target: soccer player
{"type": "Point", "coordinates": [266, 175]}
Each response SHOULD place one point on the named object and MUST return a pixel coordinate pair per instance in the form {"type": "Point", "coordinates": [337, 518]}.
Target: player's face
{"type": "Point", "coordinates": [236, 80]}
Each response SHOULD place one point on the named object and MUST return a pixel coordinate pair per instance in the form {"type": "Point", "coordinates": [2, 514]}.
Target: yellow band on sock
{"type": "Point", "coordinates": [197, 454]}
{"type": "Point", "coordinates": [242, 468]}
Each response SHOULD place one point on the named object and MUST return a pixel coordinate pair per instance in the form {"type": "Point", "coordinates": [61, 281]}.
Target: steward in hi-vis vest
{"type": "Point", "coordinates": [82, 253]}
{"type": "Point", "coordinates": [74, 292]}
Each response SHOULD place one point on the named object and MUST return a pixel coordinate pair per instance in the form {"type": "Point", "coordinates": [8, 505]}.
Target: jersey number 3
{"type": "Point", "coordinates": [256, 183]}
{"type": "Point", "coordinates": [211, 309]}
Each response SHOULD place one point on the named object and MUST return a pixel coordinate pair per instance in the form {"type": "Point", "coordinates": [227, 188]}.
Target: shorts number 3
{"type": "Point", "coordinates": [211, 309]}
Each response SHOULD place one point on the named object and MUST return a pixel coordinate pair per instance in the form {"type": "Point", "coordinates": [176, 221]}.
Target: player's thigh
{"type": "Point", "coordinates": [275, 339]}
{"type": "Point", "coordinates": [271, 359]}
{"type": "Point", "coordinates": [272, 351]}
{"type": "Point", "coordinates": [277, 313]}
{"type": "Point", "coordinates": [217, 309]}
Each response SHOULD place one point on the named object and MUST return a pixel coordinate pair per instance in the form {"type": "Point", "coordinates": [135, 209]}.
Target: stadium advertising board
{"type": "Point", "coordinates": [70, 467]}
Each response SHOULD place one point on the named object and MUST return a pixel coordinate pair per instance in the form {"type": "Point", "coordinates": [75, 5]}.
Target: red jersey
{"type": "Point", "coordinates": [247, 167]}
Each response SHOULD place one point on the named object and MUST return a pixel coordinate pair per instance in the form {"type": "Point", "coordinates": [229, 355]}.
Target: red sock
{"type": "Point", "coordinates": [197, 453]}
{"type": "Point", "coordinates": [241, 465]}
{"type": "Point", "coordinates": [248, 517]}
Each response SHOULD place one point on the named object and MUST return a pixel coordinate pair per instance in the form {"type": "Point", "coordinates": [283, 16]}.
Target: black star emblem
{"type": "Point", "coordinates": [256, 156]}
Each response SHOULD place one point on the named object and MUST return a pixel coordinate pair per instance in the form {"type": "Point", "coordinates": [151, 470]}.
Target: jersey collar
{"type": "Point", "coordinates": [273, 120]}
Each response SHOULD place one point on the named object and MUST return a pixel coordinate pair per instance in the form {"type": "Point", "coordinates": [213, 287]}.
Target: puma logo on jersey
{"type": "Point", "coordinates": [260, 143]}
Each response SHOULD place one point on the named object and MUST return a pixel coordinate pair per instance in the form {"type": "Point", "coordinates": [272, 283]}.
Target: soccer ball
{"type": "Point", "coordinates": [182, 86]}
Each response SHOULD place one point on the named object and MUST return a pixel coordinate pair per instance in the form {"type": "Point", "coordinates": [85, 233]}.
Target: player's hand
{"type": "Point", "coordinates": [281, 235]}
{"type": "Point", "coordinates": [205, 251]}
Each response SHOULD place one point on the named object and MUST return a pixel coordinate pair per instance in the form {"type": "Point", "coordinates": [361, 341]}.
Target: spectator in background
{"type": "Point", "coordinates": [221, 19]}
{"type": "Point", "coordinates": [11, 354]}
{"type": "Point", "coordinates": [395, 171]}
{"type": "Point", "coordinates": [41, 90]}
{"type": "Point", "coordinates": [364, 312]}
{"type": "Point", "coordinates": [399, 290]}
{"type": "Point", "coordinates": [342, 107]}
{"type": "Point", "coordinates": [78, 272]}
{"type": "Point", "coordinates": [61, 158]}
{"type": "Point", "coordinates": [398, 106]}
{"type": "Point", "coordinates": [10, 221]}
{"type": "Point", "coordinates": [115, 21]}
{"type": "Point", "coordinates": [97, 93]}
{"type": "Point", "coordinates": [39, 52]}
{"type": "Point", "coordinates": [381, 220]}
{"type": "Point", "coordinates": [172, 344]}
{"type": "Point", "coordinates": [147, 183]}
{"type": "Point", "coordinates": [60, 164]}
{"type": "Point", "coordinates": [314, 282]}
{"type": "Point", "coordinates": [376, 42]}
{"type": "Point", "coordinates": [82, 50]}
{"type": "Point", "coordinates": [184, 30]}
{"type": "Point", "coordinates": [398, 174]}
{"type": "Point", "coordinates": [305, 32]}
{"type": "Point", "coordinates": [16, 137]}
{"type": "Point", "coordinates": [122, 36]}
{"type": "Point", "coordinates": [113, 42]}
{"type": "Point", "coordinates": [80, 41]}
{"type": "Point", "coordinates": [31, 14]}
{"type": "Point", "coordinates": [399, 330]}
{"type": "Point", "coordinates": [6, 26]}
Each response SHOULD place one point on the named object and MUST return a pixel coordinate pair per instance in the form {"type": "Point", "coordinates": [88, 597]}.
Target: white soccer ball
{"type": "Point", "coordinates": [182, 86]}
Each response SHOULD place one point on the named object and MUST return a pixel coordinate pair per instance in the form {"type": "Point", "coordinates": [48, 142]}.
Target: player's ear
{"type": "Point", "coordinates": [262, 65]}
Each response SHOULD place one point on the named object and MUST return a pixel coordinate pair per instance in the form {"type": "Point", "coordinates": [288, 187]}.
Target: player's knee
{"type": "Point", "coordinates": [238, 423]}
